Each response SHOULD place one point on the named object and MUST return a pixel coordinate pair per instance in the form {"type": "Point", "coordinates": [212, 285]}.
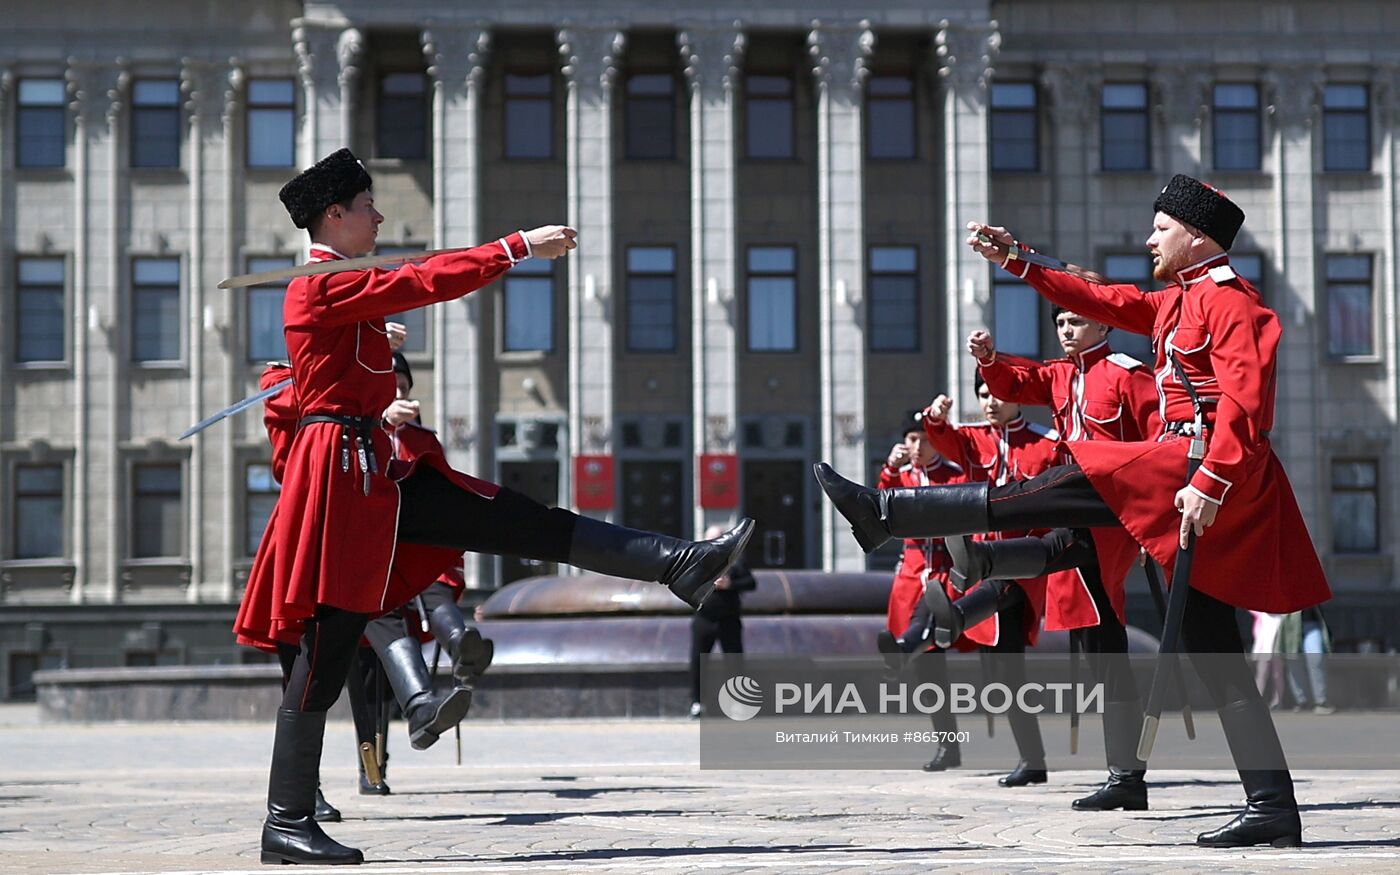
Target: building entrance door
{"type": "Point", "coordinates": [540, 481]}
{"type": "Point", "coordinates": [774, 495]}
{"type": "Point", "coordinates": [651, 497]}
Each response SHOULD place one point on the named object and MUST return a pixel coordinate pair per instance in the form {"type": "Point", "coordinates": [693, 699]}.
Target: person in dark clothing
{"type": "Point", "coordinates": [718, 619]}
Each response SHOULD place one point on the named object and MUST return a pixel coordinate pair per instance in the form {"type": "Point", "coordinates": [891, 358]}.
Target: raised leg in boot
{"type": "Point", "coordinates": [876, 515]}
{"type": "Point", "coordinates": [952, 618]}
{"type": "Point", "coordinates": [470, 653]}
{"type": "Point", "coordinates": [434, 511]}
{"type": "Point", "coordinates": [428, 714]}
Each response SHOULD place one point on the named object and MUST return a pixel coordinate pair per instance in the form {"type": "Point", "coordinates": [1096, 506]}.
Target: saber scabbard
{"type": "Point", "coordinates": [1074, 685]}
{"type": "Point", "coordinates": [1154, 583]}
{"type": "Point", "coordinates": [370, 761]}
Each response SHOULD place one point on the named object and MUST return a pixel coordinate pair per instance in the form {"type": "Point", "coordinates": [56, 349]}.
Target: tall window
{"type": "Point", "coordinates": [650, 116]}
{"type": "Point", "coordinates": [894, 299]}
{"type": "Point", "coordinates": [39, 321]}
{"type": "Point", "coordinates": [39, 123]}
{"type": "Point", "coordinates": [271, 134]}
{"type": "Point", "coordinates": [768, 117]}
{"type": "Point", "coordinates": [414, 321]}
{"type": "Point", "coordinates": [1346, 128]}
{"type": "Point", "coordinates": [259, 497]}
{"type": "Point", "coordinates": [38, 511]}
{"type": "Point", "coordinates": [529, 120]}
{"type": "Point", "coordinates": [1236, 126]}
{"type": "Point", "coordinates": [1135, 269]}
{"type": "Point", "coordinates": [528, 319]}
{"type": "Point", "coordinates": [155, 123]}
{"type": "Point", "coordinates": [1015, 316]}
{"type": "Point", "coordinates": [1355, 506]}
{"type": "Point", "coordinates": [1249, 265]}
{"type": "Point", "coordinates": [266, 340]}
{"type": "Point", "coordinates": [155, 310]}
{"type": "Point", "coordinates": [1350, 314]}
{"type": "Point", "coordinates": [156, 511]}
{"type": "Point", "coordinates": [890, 128]}
{"type": "Point", "coordinates": [1015, 135]}
{"type": "Point", "coordinates": [401, 120]}
{"type": "Point", "coordinates": [651, 299]}
{"type": "Point", "coordinates": [772, 296]}
{"type": "Point", "coordinates": [1126, 141]}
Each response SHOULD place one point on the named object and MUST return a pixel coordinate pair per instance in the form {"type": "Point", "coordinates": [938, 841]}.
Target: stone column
{"type": "Point", "coordinates": [317, 46]}
{"type": "Point", "coordinates": [840, 63]}
{"type": "Point", "coordinates": [1182, 96]}
{"type": "Point", "coordinates": [1073, 90]}
{"type": "Point", "coordinates": [456, 59]}
{"type": "Point", "coordinates": [1386, 88]}
{"type": "Point", "coordinates": [226, 261]}
{"type": "Point", "coordinates": [590, 57]}
{"type": "Point", "coordinates": [964, 54]}
{"type": "Point", "coordinates": [1294, 92]}
{"type": "Point", "coordinates": [712, 57]}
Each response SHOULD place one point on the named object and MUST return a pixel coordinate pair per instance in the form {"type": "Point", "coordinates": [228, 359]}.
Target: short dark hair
{"type": "Point", "coordinates": [912, 428]}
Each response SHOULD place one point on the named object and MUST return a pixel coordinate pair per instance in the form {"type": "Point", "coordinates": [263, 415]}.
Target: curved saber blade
{"type": "Point", "coordinates": [319, 267]}
{"type": "Point", "coordinates": [236, 408]}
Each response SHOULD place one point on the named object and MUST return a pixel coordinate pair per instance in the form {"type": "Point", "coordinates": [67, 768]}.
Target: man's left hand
{"type": "Point", "coordinates": [1196, 513]}
{"type": "Point", "coordinates": [397, 333]}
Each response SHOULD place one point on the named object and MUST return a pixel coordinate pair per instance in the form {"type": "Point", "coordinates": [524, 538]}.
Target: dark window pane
{"type": "Point", "coordinates": [155, 318]}
{"type": "Point", "coordinates": [650, 116]}
{"type": "Point", "coordinates": [1016, 318]}
{"type": "Point", "coordinates": [1014, 144]}
{"type": "Point", "coordinates": [1136, 269]}
{"type": "Point", "coordinates": [39, 326]}
{"type": "Point", "coordinates": [1355, 502]}
{"type": "Point", "coordinates": [890, 118]}
{"type": "Point", "coordinates": [1125, 131]}
{"type": "Point", "coordinates": [529, 116]}
{"type": "Point", "coordinates": [157, 513]}
{"type": "Point", "coordinates": [772, 314]}
{"type": "Point", "coordinates": [772, 259]}
{"type": "Point", "coordinates": [266, 340]}
{"type": "Point", "coordinates": [769, 117]}
{"type": "Point", "coordinates": [402, 117]}
{"type": "Point", "coordinates": [271, 123]}
{"type": "Point", "coordinates": [529, 308]}
{"type": "Point", "coordinates": [1236, 127]}
{"type": "Point", "coordinates": [1346, 137]}
{"type": "Point", "coordinates": [260, 497]}
{"type": "Point", "coordinates": [40, 122]}
{"type": "Point", "coordinates": [1350, 318]}
{"type": "Point", "coordinates": [893, 296]}
{"type": "Point", "coordinates": [651, 299]}
{"type": "Point", "coordinates": [155, 123]}
{"type": "Point", "coordinates": [38, 511]}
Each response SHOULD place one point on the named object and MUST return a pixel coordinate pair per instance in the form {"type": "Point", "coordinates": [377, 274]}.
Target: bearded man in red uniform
{"type": "Point", "coordinates": [348, 539]}
{"type": "Point", "coordinates": [1093, 393]}
{"type": "Point", "coordinates": [1253, 548]}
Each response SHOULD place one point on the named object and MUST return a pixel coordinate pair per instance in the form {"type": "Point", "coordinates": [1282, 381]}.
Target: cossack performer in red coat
{"type": "Point", "coordinates": [1094, 394]}
{"type": "Point", "coordinates": [1252, 550]}
{"type": "Point", "coordinates": [1003, 448]}
{"type": "Point", "coordinates": [327, 561]}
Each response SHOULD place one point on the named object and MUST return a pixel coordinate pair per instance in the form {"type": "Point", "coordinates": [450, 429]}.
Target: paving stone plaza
{"type": "Point", "coordinates": [570, 796]}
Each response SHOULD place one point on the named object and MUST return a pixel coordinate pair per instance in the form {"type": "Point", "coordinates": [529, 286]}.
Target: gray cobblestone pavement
{"type": "Point", "coordinates": [567, 796]}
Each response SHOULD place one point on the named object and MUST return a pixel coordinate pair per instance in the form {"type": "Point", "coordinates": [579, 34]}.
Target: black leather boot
{"type": "Point", "coordinates": [470, 653]}
{"type": "Point", "coordinates": [1025, 728]}
{"type": "Point", "coordinates": [1270, 815]}
{"type": "Point", "coordinates": [949, 755]}
{"type": "Point", "coordinates": [951, 618]}
{"type": "Point", "coordinates": [876, 515]}
{"type": "Point", "coordinates": [687, 568]}
{"type": "Point", "coordinates": [428, 715]}
{"type": "Point", "coordinates": [325, 812]}
{"type": "Point", "coordinates": [1012, 559]}
{"type": "Point", "coordinates": [1125, 787]}
{"type": "Point", "coordinates": [290, 834]}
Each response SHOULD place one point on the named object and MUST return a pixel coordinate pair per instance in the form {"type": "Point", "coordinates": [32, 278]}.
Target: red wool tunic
{"type": "Point", "coordinates": [1096, 395]}
{"type": "Point", "coordinates": [924, 560]}
{"type": "Point", "coordinates": [1017, 451]}
{"type": "Point", "coordinates": [1257, 555]}
{"type": "Point", "coordinates": [328, 543]}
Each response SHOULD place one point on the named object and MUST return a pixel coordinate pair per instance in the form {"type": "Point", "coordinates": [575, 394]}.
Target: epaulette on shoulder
{"type": "Point", "coordinates": [1044, 431]}
{"type": "Point", "coordinates": [1221, 274]}
{"type": "Point", "coordinates": [1124, 361]}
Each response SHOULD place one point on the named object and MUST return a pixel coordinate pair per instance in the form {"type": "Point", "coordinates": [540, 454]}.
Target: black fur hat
{"type": "Point", "coordinates": [401, 367]}
{"type": "Point", "coordinates": [1203, 207]}
{"type": "Point", "coordinates": [335, 178]}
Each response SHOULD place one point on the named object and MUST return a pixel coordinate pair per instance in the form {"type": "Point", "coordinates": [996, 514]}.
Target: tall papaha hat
{"type": "Point", "coordinates": [336, 178]}
{"type": "Point", "coordinates": [1201, 206]}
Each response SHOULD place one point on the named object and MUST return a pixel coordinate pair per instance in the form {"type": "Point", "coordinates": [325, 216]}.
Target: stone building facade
{"type": "Point", "coordinates": [769, 199]}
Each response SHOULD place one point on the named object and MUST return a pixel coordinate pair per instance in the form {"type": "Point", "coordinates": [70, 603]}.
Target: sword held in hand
{"type": "Point", "coordinates": [1016, 253]}
{"type": "Point", "coordinates": [316, 268]}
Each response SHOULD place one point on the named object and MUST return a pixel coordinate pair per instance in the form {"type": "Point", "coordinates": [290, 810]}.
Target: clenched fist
{"type": "Point", "coordinates": [551, 241]}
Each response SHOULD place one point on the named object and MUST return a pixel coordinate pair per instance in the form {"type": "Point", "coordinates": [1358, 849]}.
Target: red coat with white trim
{"type": "Point", "coordinates": [1017, 451]}
{"type": "Point", "coordinates": [1096, 395]}
{"type": "Point", "coordinates": [329, 543]}
{"type": "Point", "coordinates": [924, 559]}
{"type": "Point", "coordinates": [1257, 555]}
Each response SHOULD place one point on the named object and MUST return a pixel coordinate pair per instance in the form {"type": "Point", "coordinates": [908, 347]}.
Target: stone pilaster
{"type": "Point", "coordinates": [840, 64]}
{"type": "Point", "coordinates": [1182, 97]}
{"type": "Point", "coordinates": [591, 58]}
{"type": "Point", "coordinates": [1073, 91]}
{"type": "Point", "coordinates": [712, 57]}
{"type": "Point", "coordinates": [317, 47]}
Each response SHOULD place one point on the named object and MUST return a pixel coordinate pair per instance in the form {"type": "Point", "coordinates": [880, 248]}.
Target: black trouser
{"type": "Point", "coordinates": [931, 667]}
{"type": "Point", "coordinates": [1008, 662]}
{"type": "Point", "coordinates": [704, 632]}
{"type": "Point", "coordinates": [316, 671]}
{"type": "Point", "coordinates": [435, 511]}
{"type": "Point", "coordinates": [1063, 496]}
{"type": "Point", "coordinates": [1105, 646]}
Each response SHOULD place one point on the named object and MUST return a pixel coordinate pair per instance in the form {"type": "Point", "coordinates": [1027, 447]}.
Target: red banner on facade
{"type": "Point", "coordinates": [719, 481]}
{"type": "Point", "coordinates": [593, 482]}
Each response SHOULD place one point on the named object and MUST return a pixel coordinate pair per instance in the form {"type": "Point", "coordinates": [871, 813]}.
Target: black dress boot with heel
{"type": "Point", "coordinates": [876, 515]}
{"type": "Point", "coordinates": [1011, 559]}
{"type": "Point", "coordinates": [291, 834]}
{"type": "Point", "coordinates": [1025, 729]}
{"type": "Point", "coordinates": [952, 618]}
{"type": "Point", "coordinates": [687, 568]}
{"type": "Point", "coordinates": [1125, 788]}
{"type": "Point", "coordinates": [325, 812]}
{"type": "Point", "coordinates": [428, 715]}
{"type": "Point", "coordinates": [1270, 816]}
{"type": "Point", "coordinates": [471, 654]}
